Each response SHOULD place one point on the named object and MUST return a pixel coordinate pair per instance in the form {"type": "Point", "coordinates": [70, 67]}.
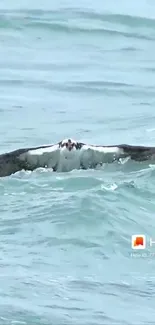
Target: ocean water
{"type": "Point", "coordinates": [81, 69]}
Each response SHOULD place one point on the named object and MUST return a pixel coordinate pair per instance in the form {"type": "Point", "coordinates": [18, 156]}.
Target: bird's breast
{"type": "Point", "coordinates": [69, 160]}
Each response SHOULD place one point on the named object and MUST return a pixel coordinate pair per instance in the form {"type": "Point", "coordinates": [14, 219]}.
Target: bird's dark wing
{"type": "Point", "coordinates": [138, 153]}
{"type": "Point", "coordinates": [29, 159]}
{"type": "Point", "coordinates": [93, 155]}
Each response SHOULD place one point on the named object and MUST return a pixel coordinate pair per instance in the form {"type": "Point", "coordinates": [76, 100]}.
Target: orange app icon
{"type": "Point", "coordinates": [138, 242]}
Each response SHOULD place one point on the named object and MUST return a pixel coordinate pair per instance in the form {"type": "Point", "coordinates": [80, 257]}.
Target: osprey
{"type": "Point", "coordinates": [69, 154]}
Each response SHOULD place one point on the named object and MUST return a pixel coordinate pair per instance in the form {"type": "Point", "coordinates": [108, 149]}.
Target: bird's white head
{"type": "Point", "coordinates": [68, 145]}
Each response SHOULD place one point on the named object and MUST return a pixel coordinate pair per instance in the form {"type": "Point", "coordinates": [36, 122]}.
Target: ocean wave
{"type": "Point", "coordinates": [73, 22]}
{"type": "Point", "coordinates": [125, 19]}
{"type": "Point", "coordinates": [88, 87]}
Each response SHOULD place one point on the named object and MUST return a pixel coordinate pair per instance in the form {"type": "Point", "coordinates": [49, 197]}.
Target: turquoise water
{"type": "Point", "coordinates": [85, 70]}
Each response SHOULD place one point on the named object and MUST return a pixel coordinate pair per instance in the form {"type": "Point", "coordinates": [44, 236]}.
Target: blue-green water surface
{"type": "Point", "coordinates": [86, 70]}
